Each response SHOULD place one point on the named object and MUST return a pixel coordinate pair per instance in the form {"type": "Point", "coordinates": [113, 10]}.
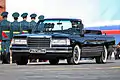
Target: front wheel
{"type": "Point", "coordinates": [22, 60]}
{"type": "Point", "coordinates": [54, 61]}
{"type": "Point", "coordinates": [103, 57]}
{"type": "Point", "coordinates": [76, 55]}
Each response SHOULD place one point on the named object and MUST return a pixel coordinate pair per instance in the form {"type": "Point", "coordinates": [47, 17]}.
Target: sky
{"type": "Point", "coordinates": [90, 11]}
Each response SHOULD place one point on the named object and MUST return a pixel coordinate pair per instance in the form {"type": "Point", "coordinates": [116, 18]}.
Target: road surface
{"type": "Point", "coordinates": [86, 70]}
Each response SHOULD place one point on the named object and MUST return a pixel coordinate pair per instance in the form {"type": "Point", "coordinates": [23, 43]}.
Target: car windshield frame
{"type": "Point", "coordinates": [59, 24]}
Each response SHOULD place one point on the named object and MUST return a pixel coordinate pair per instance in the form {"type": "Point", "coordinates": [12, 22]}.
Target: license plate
{"type": "Point", "coordinates": [37, 50]}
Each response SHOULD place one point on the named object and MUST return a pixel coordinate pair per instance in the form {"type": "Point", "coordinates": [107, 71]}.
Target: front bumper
{"type": "Point", "coordinates": [47, 50]}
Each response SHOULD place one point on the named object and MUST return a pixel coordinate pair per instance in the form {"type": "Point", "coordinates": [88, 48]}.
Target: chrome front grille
{"type": "Point", "coordinates": [38, 42]}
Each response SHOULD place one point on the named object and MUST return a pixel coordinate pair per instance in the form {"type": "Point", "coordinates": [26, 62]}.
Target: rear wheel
{"type": "Point", "coordinates": [76, 55]}
{"type": "Point", "coordinates": [54, 61]}
{"type": "Point", "coordinates": [22, 60]}
{"type": "Point", "coordinates": [103, 57]}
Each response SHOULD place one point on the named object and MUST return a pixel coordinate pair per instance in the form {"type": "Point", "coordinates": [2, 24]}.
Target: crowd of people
{"type": "Point", "coordinates": [9, 29]}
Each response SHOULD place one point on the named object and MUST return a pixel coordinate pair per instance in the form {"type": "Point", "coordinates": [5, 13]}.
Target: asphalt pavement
{"type": "Point", "coordinates": [85, 70]}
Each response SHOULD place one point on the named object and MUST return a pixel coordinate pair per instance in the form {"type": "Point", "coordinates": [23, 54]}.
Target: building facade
{"type": "Point", "coordinates": [2, 7]}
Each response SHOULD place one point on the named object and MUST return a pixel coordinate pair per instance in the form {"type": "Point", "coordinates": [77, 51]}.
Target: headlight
{"type": "Point", "coordinates": [19, 41]}
{"type": "Point", "coordinates": [60, 42]}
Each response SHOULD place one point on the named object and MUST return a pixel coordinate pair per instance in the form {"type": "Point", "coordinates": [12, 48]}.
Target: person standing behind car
{"type": "Point", "coordinates": [15, 24]}
{"type": "Point", "coordinates": [41, 27]}
{"type": "Point", "coordinates": [118, 51]}
{"type": "Point", "coordinates": [5, 36]}
{"type": "Point", "coordinates": [77, 27]}
{"type": "Point", "coordinates": [24, 23]}
{"type": "Point", "coordinates": [32, 23]}
{"type": "Point", "coordinates": [16, 29]}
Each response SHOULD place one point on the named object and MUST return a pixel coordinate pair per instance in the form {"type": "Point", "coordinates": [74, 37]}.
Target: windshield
{"type": "Point", "coordinates": [56, 25]}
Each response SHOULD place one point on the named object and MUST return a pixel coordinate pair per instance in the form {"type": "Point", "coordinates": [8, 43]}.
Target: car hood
{"type": "Point", "coordinates": [44, 35]}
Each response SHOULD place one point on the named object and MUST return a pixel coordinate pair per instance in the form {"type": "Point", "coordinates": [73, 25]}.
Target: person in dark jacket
{"type": "Point", "coordinates": [5, 36]}
{"type": "Point", "coordinates": [16, 29]}
{"type": "Point", "coordinates": [41, 27]}
{"type": "Point", "coordinates": [15, 24]}
{"type": "Point", "coordinates": [32, 23]}
{"type": "Point", "coordinates": [24, 23]}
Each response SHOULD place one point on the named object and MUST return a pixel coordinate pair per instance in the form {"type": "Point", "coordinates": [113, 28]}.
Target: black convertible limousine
{"type": "Point", "coordinates": [60, 38]}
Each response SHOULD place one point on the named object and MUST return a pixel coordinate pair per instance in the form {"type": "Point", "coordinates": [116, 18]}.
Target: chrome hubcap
{"type": "Point", "coordinates": [76, 54]}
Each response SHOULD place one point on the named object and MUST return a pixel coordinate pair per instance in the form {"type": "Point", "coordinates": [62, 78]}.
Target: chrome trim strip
{"type": "Point", "coordinates": [20, 47]}
{"type": "Point", "coordinates": [56, 51]}
{"type": "Point", "coordinates": [50, 48]}
{"type": "Point", "coordinates": [41, 36]}
{"type": "Point", "coordinates": [92, 51]}
{"type": "Point", "coordinates": [52, 51]}
{"type": "Point", "coordinates": [20, 50]}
